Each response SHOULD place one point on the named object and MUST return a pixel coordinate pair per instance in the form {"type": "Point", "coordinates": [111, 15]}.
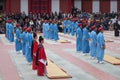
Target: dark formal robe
{"type": "Point", "coordinates": [116, 29]}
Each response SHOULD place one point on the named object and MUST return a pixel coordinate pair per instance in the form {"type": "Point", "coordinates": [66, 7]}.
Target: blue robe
{"type": "Point", "coordinates": [76, 25]}
{"type": "Point", "coordinates": [11, 33]}
{"type": "Point", "coordinates": [100, 43]}
{"type": "Point", "coordinates": [18, 45]}
{"type": "Point", "coordinates": [51, 31]}
{"type": "Point", "coordinates": [47, 27]}
{"type": "Point", "coordinates": [55, 32]}
{"type": "Point", "coordinates": [65, 26]}
{"type": "Point", "coordinates": [43, 25]}
{"type": "Point", "coordinates": [68, 26]}
{"type": "Point", "coordinates": [26, 43]}
{"type": "Point", "coordinates": [85, 42]}
{"type": "Point", "coordinates": [72, 28]}
{"type": "Point", "coordinates": [23, 36]}
{"type": "Point", "coordinates": [78, 39]}
{"type": "Point", "coordinates": [7, 30]}
{"type": "Point", "coordinates": [28, 47]}
{"type": "Point", "coordinates": [93, 43]}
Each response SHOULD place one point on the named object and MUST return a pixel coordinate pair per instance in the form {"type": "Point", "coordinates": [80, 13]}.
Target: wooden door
{"type": "Point", "coordinates": [66, 5]}
{"type": "Point", "coordinates": [104, 6]}
{"type": "Point", "coordinates": [118, 5]}
{"type": "Point", "coordinates": [39, 6]}
{"type": "Point", "coordinates": [87, 5]}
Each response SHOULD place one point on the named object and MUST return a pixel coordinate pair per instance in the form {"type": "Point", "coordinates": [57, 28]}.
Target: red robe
{"type": "Point", "coordinates": [41, 61]}
{"type": "Point", "coordinates": [34, 51]}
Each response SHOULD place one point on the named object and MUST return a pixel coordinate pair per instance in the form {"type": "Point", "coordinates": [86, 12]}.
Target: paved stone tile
{"type": "Point", "coordinates": [53, 50]}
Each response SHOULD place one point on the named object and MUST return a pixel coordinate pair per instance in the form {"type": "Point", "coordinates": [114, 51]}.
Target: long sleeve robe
{"type": "Point", "coordinates": [7, 31]}
{"type": "Point", "coordinates": [93, 43]}
{"type": "Point", "coordinates": [41, 61]}
{"type": "Point", "coordinates": [11, 33]}
{"type": "Point", "coordinates": [51, 31]}
{"type": "Point", "coordinates": [23, 42]}
{"type": "Point", "coordinates": [72, 28]}
{"type": "Point", "coordinates": [34, 51]}
{"type": "Point", "coordinates": [65, 26]}
{"type": "Point", "coordinates": [18, 45]}
{"type": "Point", "coordinates": [100, 46]}
{"type": "Point", "coordinates": [28, 47]}
{"type": "Point", "coordinates": [55, 32]}
{"type": "Point", "coordinates": [78, 39]}
{"type": "Point", "coordinates": [85, 42]}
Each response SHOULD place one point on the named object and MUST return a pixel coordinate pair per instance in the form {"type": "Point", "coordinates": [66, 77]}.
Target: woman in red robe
{"type": "Point", "coordinates": [34, 50]}
{"type": "Point", "coordinates": [41, 59]}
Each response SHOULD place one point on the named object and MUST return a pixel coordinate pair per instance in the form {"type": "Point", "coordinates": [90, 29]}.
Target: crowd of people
{"type": "Point", "coordinates": [91, 42]}
{"type": "Point", "coordinates": [88, 29]}
{"type": "Point", "coordinates": [27, 43]}
{"type": "Point", "coordinates": [35, 20]}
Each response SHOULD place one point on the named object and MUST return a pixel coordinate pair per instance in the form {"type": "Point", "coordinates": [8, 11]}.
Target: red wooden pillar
{"type": "Point", "coordinates": [15, 6]}
{"type": "Point", "coordinates": [70, 5]}
{"type": "Point", "coordinates": [118, 5]}
{"type": "Point", "coordinates": [8, 6]}
{"type": "Point", "coordinates": [104, 6]}
{"type": "Point", "coordinates": [39, 6]}
{"type": "Point", "coordinates": [29, 6]}
{"type": "Point", "coordinates": [4, 6]}
{"type": "Point", "coordinates": [63, 5]}
{"type": "Point", "coordinates": [87, 5]}
{"type": "Point", "coordinates": [50, 5]}
{"type": "Point", "coordinates": [66, 5]}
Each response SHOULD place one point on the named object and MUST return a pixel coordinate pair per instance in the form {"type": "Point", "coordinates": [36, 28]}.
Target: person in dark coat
{"type": "Point", "coordinates": [116, 29]}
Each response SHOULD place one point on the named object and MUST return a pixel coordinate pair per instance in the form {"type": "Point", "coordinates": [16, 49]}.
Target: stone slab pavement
{"type": "Point", "coordinates": [65, 56]}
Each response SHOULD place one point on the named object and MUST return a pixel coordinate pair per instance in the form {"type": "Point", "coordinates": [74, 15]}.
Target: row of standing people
{"type": "Point", "coordinates": [92, 42]}
{"type": "Point", "coordinates": [89, 38]}
{"type": "Point", "coordinates": [34, 52]}
{"type": "Point", "coordinates": [9, 30]}
{"type": "Point", "coordinates": [25, 42]}
{"type": "Point", "coordinates": [39, 59]}
{"type": "Point", "coordinates": [50, 30]}
{"type": "Point", "coordinates": [70, 26]}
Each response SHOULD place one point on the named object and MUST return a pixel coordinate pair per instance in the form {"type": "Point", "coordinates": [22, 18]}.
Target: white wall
{"type": "Point", "coordinates": [24, 6]}
{"type": "Point", "coordinates": [77, 4]}
{"type": "Point", "coordinates": [96, 6]}
{"type": "Point", "coordinates": [55, 5]}
{"type": "Point", "coordinates": [113, 5]}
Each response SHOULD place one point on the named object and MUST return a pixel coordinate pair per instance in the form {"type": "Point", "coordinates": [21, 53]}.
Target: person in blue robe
{"type": "Point", "coordinates": [18, 45]}
{"type": "Point", "coordinates": [68, 26]}
{"type": "Point", "coordinates": [79, 38]}
{"type": "Point", "coordinates": [26, 48]}
{"type": "Point", "coordinates": [51, 31]}
{"type": "Point", "coordinates": [11, 33]}
{"type": "Point", "coordinates": [65, 26]}
{"type": "Point", "coordinates": [47, 27]}
{"type": "Point", "coordinates": [23, 37]}
{"type": "Point", "coordinates": [85, 41]}
{"type": "Point", "coordinates": [29, 40]}
{"type": "Point", "coordinates": [93, 42]}
{"type": "Point", "coordinates": [9, 30]}
{"type": "Point", "coordinates": [55, 26]}
{"type": "Point", "coordinates": [7, 25]}
{"type": "Point", "coordinates": [43, 26]}
{"type": "Point", "coordinates": [76, 25]}
{"type": "Point", "coordinates": [100, 45]}
{"type": "Point", "coordinates": [72, 28]}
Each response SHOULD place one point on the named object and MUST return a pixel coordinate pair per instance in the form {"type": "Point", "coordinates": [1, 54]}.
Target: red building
{"type": "Point", "coordinates": [58, 5]}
